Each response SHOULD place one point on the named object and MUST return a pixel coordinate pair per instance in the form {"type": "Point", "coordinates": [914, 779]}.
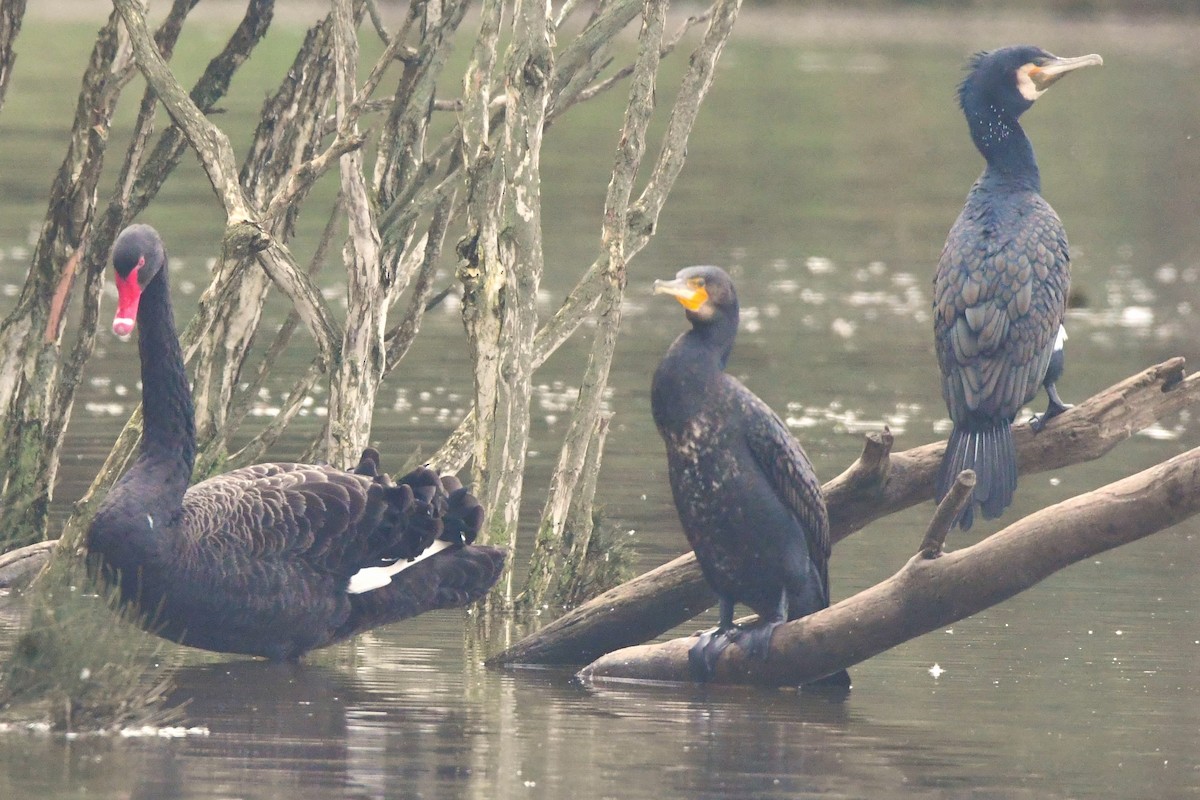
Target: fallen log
{"type": "Point", "coordinates": [934, 588]}
{"type": "Point", "coordinates": [19, 565]}
{"type": "Point", "coordinates": [878, 484]}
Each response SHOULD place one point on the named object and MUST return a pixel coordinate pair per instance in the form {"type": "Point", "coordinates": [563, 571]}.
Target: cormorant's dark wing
{"type": "Point", "coordinates": [1000, 292]}
{"type": "Point", "coordinates": [790, 473]}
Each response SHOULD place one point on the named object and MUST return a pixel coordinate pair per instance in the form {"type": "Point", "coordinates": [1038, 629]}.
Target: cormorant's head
{"type": "Point", "coordinates": [706, 293]}
{"type": "Point", "coordinates": [137, 257]}
{"type": "Point", "coordinates": [1008, 80]}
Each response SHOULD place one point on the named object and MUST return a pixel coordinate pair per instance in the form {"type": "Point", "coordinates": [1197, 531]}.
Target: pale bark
{"type": "Point", "coordinates": [512, 280]}
{"type": "Point", "coordinates": [12, 13]}
{"type": "Point", "coordinates": [556, 547]}
{"type": "Point", "coordinates": [880, 483]}
{"type": "Point", "coordinates": [478, 250]}
{"type": "Point", "coordinates": [36, 392]}
{"type": "Point", "coordinates": [246, 234]}
{"type": "Point", "coordinates": [356, 375]}
{"type": "Point", "coordinates": [581, 302]}
{"type": "Point", "coordinates": [16, 566]}
{"type": "Point", "coordinates": [936, 589]}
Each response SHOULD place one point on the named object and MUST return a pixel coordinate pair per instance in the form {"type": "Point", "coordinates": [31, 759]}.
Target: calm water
{"type": "Point", "coordinates": [825, 171]}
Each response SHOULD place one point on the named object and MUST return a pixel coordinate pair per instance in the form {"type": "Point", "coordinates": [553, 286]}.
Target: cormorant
{"type": "Point", "coordinates": [746, 493]}
{"type": "Point", "coordinates": [1002, 280]}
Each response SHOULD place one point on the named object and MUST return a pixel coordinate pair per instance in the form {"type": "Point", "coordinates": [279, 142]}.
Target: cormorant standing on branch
{"type": "Point", "coordinates": [747, 496]}
{"type": "Point", "coordinates": [1002, 280]}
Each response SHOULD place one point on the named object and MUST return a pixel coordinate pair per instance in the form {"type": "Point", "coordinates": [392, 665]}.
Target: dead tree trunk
{"type": "Point", "coordinates": [935, 589]}
{"type": "Point", "coordinates": [878, 484]}
{"type": "Point", "coordinates": [12, 12]}
{"type": "Point", "coordinates": [35, 392]}
{"type": "Point", "coordinates": [504, 269]}
{"type": "Point", "coordinates": [397, 221]}
{"type": "Point", "coordinates": [559, 549]}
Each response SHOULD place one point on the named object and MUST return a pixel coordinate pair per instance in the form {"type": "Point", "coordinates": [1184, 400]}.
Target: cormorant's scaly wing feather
{"type": "Point", "coordinates": [999, 292]}
{"type": "Point", "coordinates": [790, 473]}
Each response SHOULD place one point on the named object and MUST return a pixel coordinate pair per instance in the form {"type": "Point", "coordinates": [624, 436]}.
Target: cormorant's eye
{"type": "Point", "coordinates": [696, 283]}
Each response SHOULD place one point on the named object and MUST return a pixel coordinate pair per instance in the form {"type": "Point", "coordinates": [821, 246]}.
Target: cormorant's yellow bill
{"type": "Point", "coordinates": [691, 293]}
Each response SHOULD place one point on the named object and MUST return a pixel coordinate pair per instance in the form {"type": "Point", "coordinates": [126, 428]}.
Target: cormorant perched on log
{"type": "Point", "coordinates": [746, 493]}
{"type": "Point", "coordinates": [1001, 284]}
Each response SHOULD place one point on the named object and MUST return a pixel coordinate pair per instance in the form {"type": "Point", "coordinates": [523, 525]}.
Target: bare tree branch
{"type": "Point", "coordinates": [947, 512]}
{"type": "Point", "coordinates": [12, 12]}
{"type": "Point", "coordinates": [244, 233]}
{"type": "Point", "coordinates": [355, 376]}
{"type": "Point", "coordinates": [555, 547]}
{"type": "Point", "coordinates": [585, 295]}
{"type": "Point", "coordinates": [36, 386]}
{"type": "Point", "coordinates": [931, 592]}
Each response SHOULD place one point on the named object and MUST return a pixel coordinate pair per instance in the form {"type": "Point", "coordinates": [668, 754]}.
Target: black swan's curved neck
{"type": "Point", "coordinates": [1003, 143]}
{"type": "Point", "coordinates": [168, 417]}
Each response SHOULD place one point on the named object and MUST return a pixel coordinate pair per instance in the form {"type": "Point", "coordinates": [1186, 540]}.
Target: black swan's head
{"type": "Point", "coordinates": [137, 256]}
{"type": "Point", "coordinates": [706, 292]}
{"type": "Point", "coordinates": [1007, 81]}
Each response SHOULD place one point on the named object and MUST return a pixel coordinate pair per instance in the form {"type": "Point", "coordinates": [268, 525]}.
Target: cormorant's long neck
{"type": "Point", "coordinates": [716, 337]}
{"type": "Point", "coordinates": [686, 375]}
{"type": "Point", "coordinates": [1008, 151]}
{"type": "Point", "coordinates": [168, 426]}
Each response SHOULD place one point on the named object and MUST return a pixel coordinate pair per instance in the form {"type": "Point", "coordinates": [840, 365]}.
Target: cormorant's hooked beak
{"type": "Point", "coordinates": [690, 297]}
{"type": "Point", "coordinates": [1045, 75]}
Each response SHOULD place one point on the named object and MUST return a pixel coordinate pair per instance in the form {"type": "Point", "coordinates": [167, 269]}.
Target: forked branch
{"type": "Point", "coordinates": [931, 592]}
{"type": "Point", "coordinates": [878, 484]}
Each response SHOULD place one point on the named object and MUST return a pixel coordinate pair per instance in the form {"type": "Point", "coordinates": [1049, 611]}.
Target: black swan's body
{"type": "Point", "coordinates": [274, 559]}
{"type": "Point", "coordinates": [1001, 285]}
{"type": "Point", "coordinates": [748, 499]}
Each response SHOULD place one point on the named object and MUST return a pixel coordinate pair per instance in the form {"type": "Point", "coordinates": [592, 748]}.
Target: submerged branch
{"type": "Point", "coordinates": [931, 592]}
{"type": "Point", "coordinates": [877, 485]}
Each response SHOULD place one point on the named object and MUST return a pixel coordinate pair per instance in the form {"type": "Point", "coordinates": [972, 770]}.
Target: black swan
{"type": "Point", "coordinates": [747, 496]}
{"type": "Point", "coordinates": [1000, 291]}
{"type": "Point", "coordinates": [271, 560]}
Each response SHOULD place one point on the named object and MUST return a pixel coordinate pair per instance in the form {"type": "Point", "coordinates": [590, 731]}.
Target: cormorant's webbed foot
{"type": "Point", "coordinates": [703, 655]}
{"type": "Point", "coordinates": [1055, 407]}
{"type": "Point", "coordinates": [754, 639]}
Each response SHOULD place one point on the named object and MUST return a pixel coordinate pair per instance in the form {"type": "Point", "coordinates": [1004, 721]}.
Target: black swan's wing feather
{"type": "Point", "coordinates": [452, 578]}
{"type": "Point", "coordinates": [332, 520]}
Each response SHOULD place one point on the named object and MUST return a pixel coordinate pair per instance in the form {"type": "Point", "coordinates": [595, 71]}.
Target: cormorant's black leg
{"type": "Point", "coordinates": [1055, 407]}
{"type": "Point", "coordinates": [756, 640]}
{"type": "Point", "coordinates": [703, 655]}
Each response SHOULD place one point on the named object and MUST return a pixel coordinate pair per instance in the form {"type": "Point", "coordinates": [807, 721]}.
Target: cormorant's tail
{"type": "Point", "coordinates": [991, 453]}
